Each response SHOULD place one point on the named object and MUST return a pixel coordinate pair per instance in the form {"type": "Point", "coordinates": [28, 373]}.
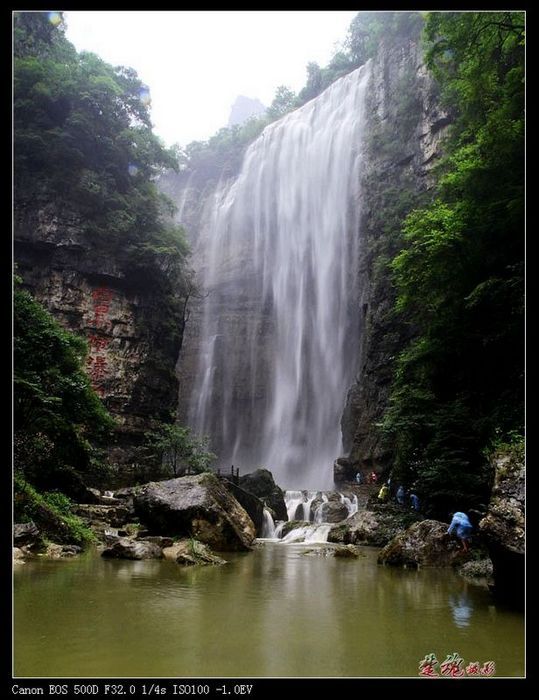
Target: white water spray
{"type": "Point", "coordinates": [279, 328]}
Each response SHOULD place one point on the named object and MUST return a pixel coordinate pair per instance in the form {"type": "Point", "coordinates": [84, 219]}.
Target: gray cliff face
{"type": "Point", "coordinates": [90, 288]}
{"type": "Point", "coordinates": [503, 526]}
{"type": "Point", "coordinates": [405, 126]}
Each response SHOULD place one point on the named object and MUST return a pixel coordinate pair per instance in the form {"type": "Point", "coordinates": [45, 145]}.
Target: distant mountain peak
{"type": "Point", "coordinates": [244, 108]}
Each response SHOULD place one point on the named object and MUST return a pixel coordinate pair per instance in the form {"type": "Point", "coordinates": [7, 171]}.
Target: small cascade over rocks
{"type": "Point", "coordinates": [307, 507]}
{"type": "Point", "coordinates": [268, 526]}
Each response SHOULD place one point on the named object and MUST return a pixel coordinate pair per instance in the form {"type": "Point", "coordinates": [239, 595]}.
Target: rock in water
{"type": "Point", "coordinates": [425, 543]}
{"type": "Point", "coordinates": [124, 548]}
{"type": "Point", "coordinates": [333, 512]}
{"type": "Point", "coordinates": [260, 483]}
{"type": "Point", "coordinates": [192, 553]}
{"type": "Point", "coordinates": [196, 506]}
{"type": "Point", "coordinates": [372, 527]}
{"type": "Point", "coordinates": [503, 527]}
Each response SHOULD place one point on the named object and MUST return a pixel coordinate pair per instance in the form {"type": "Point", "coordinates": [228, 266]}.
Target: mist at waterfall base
{"type": "Point", "coordinates": [281, 250]}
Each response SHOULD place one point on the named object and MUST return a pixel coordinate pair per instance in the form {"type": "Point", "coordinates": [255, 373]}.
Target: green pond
{"type": "Point", "coordinates": [268, 613]}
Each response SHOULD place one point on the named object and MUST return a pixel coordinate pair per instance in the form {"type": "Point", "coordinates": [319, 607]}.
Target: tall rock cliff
{"type": "Point", "coordinates": [405, 129]}
{"type": "Point", "coordinates": [133, 320]}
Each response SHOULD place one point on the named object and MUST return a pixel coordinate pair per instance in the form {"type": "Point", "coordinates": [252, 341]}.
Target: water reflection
{"type": "Point", "coordinates": [461, 607]}
{"type": "Point", "coordinates": [271, 612]}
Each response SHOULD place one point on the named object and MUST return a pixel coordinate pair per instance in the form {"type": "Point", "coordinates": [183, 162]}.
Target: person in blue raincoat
{"type": "Point", "coordinates": [462, 527]}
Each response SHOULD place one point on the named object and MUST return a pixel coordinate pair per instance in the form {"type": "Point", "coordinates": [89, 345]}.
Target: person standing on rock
{"type": "Point", "coordinates": [359, 480]}
{"type": "Point", "coordinates": [461, 525]}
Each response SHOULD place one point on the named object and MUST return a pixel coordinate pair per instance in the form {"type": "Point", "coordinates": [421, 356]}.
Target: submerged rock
{"type": "Point", "coordinates": [480, 569]}
{"type": "Point", "coordinates": [343, 551]}
{"type": "Point", "coordinates": [125, 548]}
{"type": "Point", "coordinates": [503, 527]}
{"type": "Point", "coordinates": [260, 483]}
{"type": "Point", "coordinates": [198, 506]}
{"type": "Point", "coordinates": [347, 552]}
{"type": "Point", "coordinates": [425, 543]}
{"type": "Point", "coordinates": [191, 552]}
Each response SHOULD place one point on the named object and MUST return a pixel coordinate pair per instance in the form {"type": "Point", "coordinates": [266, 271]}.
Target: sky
{"type": "Point", "coordinates": [197, 62]}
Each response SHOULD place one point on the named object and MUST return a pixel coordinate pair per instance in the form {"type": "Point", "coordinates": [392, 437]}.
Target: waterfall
{"type": "Point", "coordinates": [268, 526]}
{"type": "Point", "coordinates": [309, 534]}
{"type": "Point", "coordinates": [319, 512]}
{"type": "Point", "coordinates": [352, 504]}
{"type": "Point", "coordinates": [278, 333]}
{"type": "Point", "coordinates": [298, 504]}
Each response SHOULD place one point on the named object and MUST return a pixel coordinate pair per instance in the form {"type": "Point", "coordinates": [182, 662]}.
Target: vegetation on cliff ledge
{"type": "Point", "coordinates": [58, 417]}
{"type": "Point", "coordinates": [458, 387]}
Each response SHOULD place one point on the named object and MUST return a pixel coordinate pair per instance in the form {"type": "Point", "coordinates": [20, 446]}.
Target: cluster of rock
{"type": "Point", "coordinates": [375, 526]}
{"type": "Point", "coordinates": [181, 519]}
{"type": "Point", "coordinates": [29, 542]}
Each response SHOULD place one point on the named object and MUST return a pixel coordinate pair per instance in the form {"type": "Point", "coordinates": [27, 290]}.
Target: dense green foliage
{"type": "Point", "coordinates": [57, 414]}
{"type": "Point", "coordinates": [51, 512]}
{"type": "Point", "coordinates": [178, 451]}
{"type": "Point", "coordinates": [459, 382]}
{"type": "Point", "coordinates": [83, 137]}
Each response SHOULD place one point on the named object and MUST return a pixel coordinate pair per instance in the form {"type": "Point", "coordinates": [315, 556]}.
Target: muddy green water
{"type": "Point", "coordinates": [272, 612]}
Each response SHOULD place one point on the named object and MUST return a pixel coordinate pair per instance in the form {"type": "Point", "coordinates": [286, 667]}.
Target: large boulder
{"type": "Point", "coordinates": [374, 527]}
{"type": "Point", "coordinates": [125, 548]}
{"type": "Point", "coordinates": [503, 527]}
{"type": "Point", "coordinates": [253, 505]}
{"type": "Point", "coordinates": [333, 512]}
{"type": "Point", "coordinates": [260, 483]}
{"type": "Point", "coordinates": [425, 543]}
{"type": "Point", "coordinates": [195, 506]}
{"type": "Point", "coordinates": [26, 534]}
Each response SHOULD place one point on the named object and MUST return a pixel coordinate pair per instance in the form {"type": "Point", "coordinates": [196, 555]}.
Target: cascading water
{"type": "Point", "coordinates": [268, 526]}
{"type": "Point", "coordinates": [351, 503]}
{"type": "Point", "coordinates": [278, 332]}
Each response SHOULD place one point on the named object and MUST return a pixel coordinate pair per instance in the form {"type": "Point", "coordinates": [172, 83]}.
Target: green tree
{"type": "Point", "coordinates": [459, 383]}
{"type": "Point", "coordinates": [83, 138]}
{"type": "Point", "coordinates": [179, 451]}
{"type": "Point", "coordinates": [57, 414]}
{"type": "Point", "coordinates": [283, 102]}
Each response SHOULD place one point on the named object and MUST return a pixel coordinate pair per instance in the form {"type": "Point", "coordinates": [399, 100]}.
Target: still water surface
{"type": "Point", "coordinates": [271, 612]}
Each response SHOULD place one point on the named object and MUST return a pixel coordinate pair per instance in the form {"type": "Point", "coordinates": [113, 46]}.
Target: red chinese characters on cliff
{"type": "Point", "coordinates": [97, 359]}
